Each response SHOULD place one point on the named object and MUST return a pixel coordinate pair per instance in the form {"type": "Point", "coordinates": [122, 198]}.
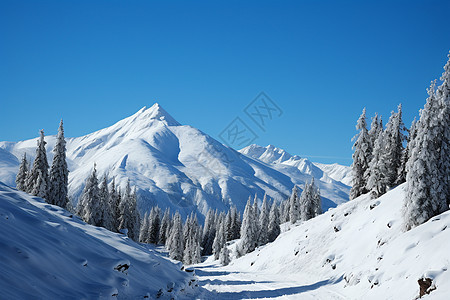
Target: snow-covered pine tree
{"type": "Point", "coordinates": [209, 232]}
{"type": "Point", "coordinates": [425, 184]}
{"type": "Point", "coordinates": [394, 138]}
{"type": "Point", "coordinates": [361, 157]}
{"type": "Point", "coordinates": [165, 223]}
{"type": "Point", "coordinates": [235, 223]}
{"type": "Point", "coordinates": [286, 211]}
{"type": "Point", "coordinates": [90, 209]}
{"type": "Point", "coordinates": [154, 225]}
{"type": "Point", "coordinates": [37, 180]}
{"type": "Point", "coordinates": [294, 206]}
{"type": "Point", "coordinates": [21, 178]}
{"type": "Point", "coordinates": [263, 237]}
{"type": "Point", "coordinates": [377, 182]}
{"type": "Point", "coordinates": [59, 173]}
{"type": "Point", "coordinates": [219, 240]}
{"type": "Point", "coordinates": [274, 223]}
{"type": "Point", "coordinates": [224, 256]}
{"type": "Point", "coordinates": [114, 202]}
{"type": "Point", "coordinates": [444, 120]}
{"type": "Point", "coordinates": [310, 202]}
{"type": "Point", "coordinates": [192, 241]}
{"type": "Point", "coordinates": [143, 233]}
{"type": "Point", "coordinates": [317, 199]}
{"type": "Point", "coordinates": [175, 241]}
{"type": "Point", "coordinates": [129, 216]}
{"type": "Point", "coordinates": [248, 230]}
{"type": "Point", "coordinates": [228, 225]}
{"type": "Point", "coordinates": [108, 215]}
{"type": "Point", "coordinates": [256, 214]}
{"type": "Point", "coordinates": [374, 130]}
{"type": "Point", "coordinates": [401, 176]}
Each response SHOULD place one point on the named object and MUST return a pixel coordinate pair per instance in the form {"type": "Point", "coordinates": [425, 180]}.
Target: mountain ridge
{"type": "Point", "coordinates": [179, 166]}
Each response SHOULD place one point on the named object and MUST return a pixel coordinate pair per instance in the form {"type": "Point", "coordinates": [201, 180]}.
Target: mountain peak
{"type": "Point", "coordinates": [156, 112]}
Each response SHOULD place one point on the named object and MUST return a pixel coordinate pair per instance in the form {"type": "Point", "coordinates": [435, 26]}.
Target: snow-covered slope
{"type": "Point", "coordinates": [337, 172]}
{"type": "Point", "coordinates": [175, 165]}
{"type": "Point", "coordinates": [357, 251]}
{"type": "Point", "coordinates": [49, 254]}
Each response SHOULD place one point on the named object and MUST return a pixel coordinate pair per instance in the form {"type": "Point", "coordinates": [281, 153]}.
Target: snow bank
{"type": "Point", "coordinates": [361, 251]}
{"type": "Point", "coordinates": [47, 253]}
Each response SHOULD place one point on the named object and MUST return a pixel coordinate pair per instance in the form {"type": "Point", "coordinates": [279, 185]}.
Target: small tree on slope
{"type": "Point", "coordinates": [377, 181]}
{"type": "Point", "coordinates": [294, 206]}
{"type": "Point", "coordinates": [21, 178]}
{"type": "Point", "coordinates": [175, 240]}
{"type": "Point", "coordinates": [248, 232]}
{"type": "Point", "coordinates": [59, 173]}
{"type": "Point", "coordinates": [89, 206]}
{"type": "Point", "coordinates": [361, 157]}
{"type": "Point", "coordinates": [274, 223]}
{"type": "Point", "coordinates": [37, 181]}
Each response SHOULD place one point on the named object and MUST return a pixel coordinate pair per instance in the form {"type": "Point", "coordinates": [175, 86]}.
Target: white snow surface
{"type": "Point", "coordinates": [49, 254]}
{"type": "Point", "coordinates": [355, 251]}
{"type": "Point", "coordinates": [176, 166]}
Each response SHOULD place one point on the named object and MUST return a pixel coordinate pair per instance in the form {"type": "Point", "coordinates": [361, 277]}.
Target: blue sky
{"type": "Point", "coordinates": [93, 63]}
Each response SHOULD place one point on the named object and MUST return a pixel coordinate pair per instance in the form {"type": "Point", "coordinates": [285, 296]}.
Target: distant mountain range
{"type": "Point", "coordinates": [180, 167]}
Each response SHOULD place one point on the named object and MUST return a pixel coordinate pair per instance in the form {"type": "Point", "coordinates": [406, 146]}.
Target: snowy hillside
{"type": "Point", "coordinates": [49, 254]}
{"type": "Point", "coordinates": [175, 165]}
{"type": "Point", "coordinates": [337, 172]}
{"type": "Point", "coordinates": [355, 251]}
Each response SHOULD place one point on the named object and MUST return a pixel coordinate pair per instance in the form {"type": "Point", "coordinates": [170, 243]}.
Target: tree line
{"type": "Point", "coordinates": [381, 162]}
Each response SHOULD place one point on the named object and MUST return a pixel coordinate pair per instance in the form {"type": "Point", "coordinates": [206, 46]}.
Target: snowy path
{"type": "Point", "coordinates": [224, 283]}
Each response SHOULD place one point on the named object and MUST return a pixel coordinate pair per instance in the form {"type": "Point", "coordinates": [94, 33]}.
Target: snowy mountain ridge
{"type": "Point", "coordinates": [175, 165]}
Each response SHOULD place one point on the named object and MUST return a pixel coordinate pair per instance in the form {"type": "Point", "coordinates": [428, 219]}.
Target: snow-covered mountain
{"type": "Point", "coordinates": [355, 251]}
{"type": "Point", "coordinates": [49, 254]}
{"type": "Point", "coordinates": [177, 166]}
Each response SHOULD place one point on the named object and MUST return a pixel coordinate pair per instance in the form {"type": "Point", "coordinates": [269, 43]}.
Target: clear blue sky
{"type": "Point", "coordinates": [93, 63]}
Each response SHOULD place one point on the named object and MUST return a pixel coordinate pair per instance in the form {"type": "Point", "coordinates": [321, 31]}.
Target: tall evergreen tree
{"type": "Point", "coordinates": [248, 230]}
{"type": "Point", "coordinates": [114, 199]}
{"type": "Point", "coordinates": [89, 206]}
{"type": "Point", "coordinates": [129, 215]}
{"type": "Point", "coordinates": [154, 225]}
{"type": "Point", "coordinates": [263, 237]}
{"type": "Point", "coordinates": [425, 183]}
{"type": "Point", "coordinates": [444, 121]}
{"type": "Point", "coordinates": [175, 241]}
{"type": "Point", "coordinates": [274, 223]}
{"type": "Point", "coordinates": [59, 173]}
{"type": "Point", "coordinates": [235, 223]}
{"type": "Point", "coordinates": [310, 202]}
{"type": "Point", "coordinates": [361, 157]}
{"type": "Point", "coordinates": [377, 182]}
{"type": "Point", "coordinates": [219, 240]}
{"type": "Point", "coordinates": [21, 178]}
{"type": "Point", "coordinates": [209, 232]}
{"type": "Point", "coordinates": [165, 223]}
{"type": "Point", "coordinates": [394, 138]}
{"type": "Point", "coordinates": [37, 180]}
{"type": "Point", "coordinates": [143, 233]}
{"type": "Point", "coordinates": [294, 206]}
